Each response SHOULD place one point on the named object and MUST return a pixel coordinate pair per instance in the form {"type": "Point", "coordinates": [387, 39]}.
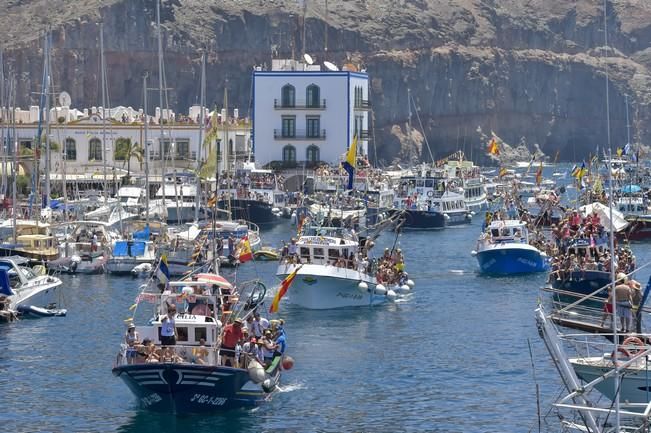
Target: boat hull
{"type": "Point", "coordinates": [584, 283]}
{"type": "Point", "coordinates": [457, 218]}
{"type": "Point", "coordinates": [420, 220]}
{"type": "Point", "coordinates": [124, 266]}
{"type": "Point", "coordinates": [319, 287]}
{"type": "Point", "coordinates": [511, 261]}
{"type": "Point", "coordinates": [184, 214]}
{"type": "Point", "coordinates": [639, 228]}
{"type": "Point", "coordinates": [257, 212]}
{"type": "Point", "coordinates": [635, 386]}
{"type": "Point", "coordinates": [192, 389]}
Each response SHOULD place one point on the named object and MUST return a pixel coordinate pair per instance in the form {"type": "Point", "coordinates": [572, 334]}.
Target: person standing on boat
{"type": "Point", "coordinates": [168, 327]}
{"type": "Point", "coordinates": [232, 335]}
{"type": "Point", "coordinates": [624, 304]}
{"type": "Point", "coordinates": [131, 338]}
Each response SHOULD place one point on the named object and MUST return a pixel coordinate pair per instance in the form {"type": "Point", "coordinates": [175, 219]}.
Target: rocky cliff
{"type": "Point", "coordinates": [533, 71]}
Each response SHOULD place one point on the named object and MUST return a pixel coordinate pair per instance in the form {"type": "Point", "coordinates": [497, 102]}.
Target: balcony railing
{"type": "Point", "coordinates": [363, 134]}
{"type": "Point", "coordinates": [299, 134]}
{"type": "Point", "coordinates": [362, 104]}
{"type": "Point", "coordinates": [300, 105]}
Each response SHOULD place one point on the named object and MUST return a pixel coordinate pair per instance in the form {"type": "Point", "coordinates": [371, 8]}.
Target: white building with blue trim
{"type": "Point", "coordinates": [303, 115]}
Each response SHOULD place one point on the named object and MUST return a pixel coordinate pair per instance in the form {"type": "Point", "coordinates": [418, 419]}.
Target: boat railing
{"type": "Point", "coordinates": [178, 354]}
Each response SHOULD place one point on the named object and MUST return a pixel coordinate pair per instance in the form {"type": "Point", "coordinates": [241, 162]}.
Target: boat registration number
{"type": "Point", "coordinates": [150, 399]}
{"type": "Point", "coordinates": [208, 399]}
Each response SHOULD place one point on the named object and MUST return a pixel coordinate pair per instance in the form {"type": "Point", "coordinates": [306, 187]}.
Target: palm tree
{"type": "Point", "coordinates": [125, 150]}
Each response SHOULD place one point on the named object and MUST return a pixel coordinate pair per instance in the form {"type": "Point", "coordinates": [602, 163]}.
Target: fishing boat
{"type": "Point", "coordinates": [252, 194]}
{"type": "Point", "coordinates": [333, 271]}
{"type": "Point", "coordinates": [197, 374]}
{"type": "Point", "coordinates": [505, 249]}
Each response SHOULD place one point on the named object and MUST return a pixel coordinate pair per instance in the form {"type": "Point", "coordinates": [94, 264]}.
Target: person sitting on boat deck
{"type": "Point", "coordinates": [624, 304]}
{"type": "Point", "coordinates": [131, 338]}
{"type": "Point", "coordinates": [284, 252]}
{"type": "Point", "coordinates": [169, 355]}
{"type": "Point", "coordinates": [231, 336]}
{"type": "Point", "coordinates": [141, 350]}
{"type": "Point", "coordinates": [168, 327]}
{"type": "Point", "coordinates": [153, 354]}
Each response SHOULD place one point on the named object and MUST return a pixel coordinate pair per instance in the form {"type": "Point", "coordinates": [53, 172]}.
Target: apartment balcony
{"type": "Point", "coordinates": [362, 105]}
{"type": "Point", "coordinates": [299, 134]}
{"type": "Point", "coordinates": [300, 105]}
{"type": "Point", "coordinates": [363, 134]}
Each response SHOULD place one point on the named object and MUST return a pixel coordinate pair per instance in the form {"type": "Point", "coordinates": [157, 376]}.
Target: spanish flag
{"type": "Point", "coordinates": [539, 174]}
{"type": "Point", "coordinates": [284, 286]}
{"type": "Point", "coordinates": [350, 163]}
{"type": "Point", "coordinates": [493, 148]}
{"type": "Point", "coordinates": [244, 247]}
{"type": "Point", "coordinates": [503, 172]}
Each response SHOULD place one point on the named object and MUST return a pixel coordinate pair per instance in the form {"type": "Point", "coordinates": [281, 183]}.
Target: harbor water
{"type": "Point", "coordinates": [452, 357]}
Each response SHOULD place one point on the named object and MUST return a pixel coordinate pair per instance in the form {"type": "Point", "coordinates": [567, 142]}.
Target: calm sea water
{"type": "Point", "coordinates": [454, 357]}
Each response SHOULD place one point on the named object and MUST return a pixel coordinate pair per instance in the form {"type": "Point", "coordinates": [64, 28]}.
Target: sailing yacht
{"type": "Point", "coordinates": [179, 192]}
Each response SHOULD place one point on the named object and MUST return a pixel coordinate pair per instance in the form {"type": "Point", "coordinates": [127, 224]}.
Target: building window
{"type": "Point", "coordinates": [122, 149]}
{"type": "Point", "coordinates": [359, 96]}
{"type": "Point", "coordinates": [289, 126]}
{"type": "Point", "coordinates": [182, 149]}
{"type": "Point", "coordinates": [71, 149]}
{"type": "Point", "coordinates": [95, 149]}
{"type": "Point", "coordinates": [313, 124]}
{"type": "Point", "coordinates": [288, 96]}
{"type": "Point", "coordinates": [359, 123]}
{"type": "Point", "coordinates": [313, 154]}
{"type": "Point", "coordinates": [164, 146]}
{"type": "Point", "coordinates": [289, 153]}
{"type": "Point", "coordinates": [312, 96]}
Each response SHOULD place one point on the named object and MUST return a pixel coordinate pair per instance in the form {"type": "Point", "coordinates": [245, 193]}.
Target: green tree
{"type": "Point", "coordinates": [125, 150]}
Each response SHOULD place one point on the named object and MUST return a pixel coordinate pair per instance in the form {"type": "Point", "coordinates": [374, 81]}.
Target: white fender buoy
{"type": "Point", "coordinates": [403, 290]}
{"type": "Point", "coordinates": [391, 295]}
{"type": "Point", "coordinates": [411, 283]}
{"type": "Point", "coordinates": [447, 217]}
{"type": "Point", "coordinates": [473, 253]}
{"type": "Point", "coordinates": [380, 290]}
{"type": "Point", "coordinates": [256, 371]}
{"type": "Point", "coordinates": [362, 287]}
{"type": "Point", "coordinates": [268, 385]}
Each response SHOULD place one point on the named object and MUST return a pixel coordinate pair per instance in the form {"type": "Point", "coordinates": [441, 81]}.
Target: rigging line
{"type": "Point", "coordinates": [421, 127]}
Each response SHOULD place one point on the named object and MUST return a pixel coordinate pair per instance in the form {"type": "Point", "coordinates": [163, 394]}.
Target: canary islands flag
{"type": "Point", "coordinates": [163, 272]}
{"type": "Point", "coordinates": [282, 290]}
{"type": "Point", "coordinates": [350, 163]}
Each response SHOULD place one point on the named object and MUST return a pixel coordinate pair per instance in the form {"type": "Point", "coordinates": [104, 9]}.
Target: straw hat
{"type": "Point", "coordinates": [622, 277]}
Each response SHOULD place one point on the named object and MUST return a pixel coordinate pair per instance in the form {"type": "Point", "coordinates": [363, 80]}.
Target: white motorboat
{"type": "Point", "coordinates": [127, 254]}
{"type": "Point", "coordinates": [25, 288]}
{"type": "Point", "coordinates": [333, 272]}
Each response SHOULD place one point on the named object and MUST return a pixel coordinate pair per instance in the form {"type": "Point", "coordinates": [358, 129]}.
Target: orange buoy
{"type": "Point", "coordinates": [288, 362]}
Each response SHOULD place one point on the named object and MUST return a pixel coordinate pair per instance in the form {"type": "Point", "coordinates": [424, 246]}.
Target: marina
{"type": "Point", "coordinates": [302, 240]}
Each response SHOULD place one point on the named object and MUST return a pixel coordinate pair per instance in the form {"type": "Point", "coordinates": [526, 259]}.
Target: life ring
{"type": "Point", "coordinates": [623, 352]}
{"type": "Point", "coordinates": [637, 345]}
{"type": "Point", "coordinates": [430, 193]}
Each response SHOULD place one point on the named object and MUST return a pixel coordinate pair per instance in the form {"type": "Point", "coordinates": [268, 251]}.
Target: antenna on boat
{"type": "Point", "coordinates": [202, 116]}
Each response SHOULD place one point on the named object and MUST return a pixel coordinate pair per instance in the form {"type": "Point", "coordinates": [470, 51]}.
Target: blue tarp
{"type": "Point", "coordinates": [5, 287]}
{"type": "Point", "coordinates": [630, 189]}
{"type": "Point", "coordinates": [129, 248]}
{"type": "Point", "coordinates": [143, 234]}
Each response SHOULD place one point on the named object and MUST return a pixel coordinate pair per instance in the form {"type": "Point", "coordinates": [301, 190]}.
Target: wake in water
{"type": "Point", "coordinates": [292, 387]}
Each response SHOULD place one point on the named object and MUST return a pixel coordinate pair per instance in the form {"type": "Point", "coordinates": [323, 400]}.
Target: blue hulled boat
{"type": "Point", "coordinates": [504, 249]}
{"type": "Point", "coordinates": [197, 373]}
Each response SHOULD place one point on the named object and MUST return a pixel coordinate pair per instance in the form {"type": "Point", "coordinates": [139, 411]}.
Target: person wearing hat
{"type": "Point", "coordinates": [624, 302]}
{"type": "Point", "coordinates": [231, 336]}
{"type": "Point", "coordinates": [268, 347]}
{"type": "Point", "coordinates": [292, 250]}
{"type": "Point", "coordinates": [132, 339]}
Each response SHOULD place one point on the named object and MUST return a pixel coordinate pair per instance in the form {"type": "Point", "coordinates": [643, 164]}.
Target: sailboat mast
{"type": "Point", "coordinates": [103, 87]}
{"type": "Point", "coordinates": [47, 122]}
{"type": "Point", "coordinates": [202, 116]}
{"type": "Point", "coordinates": [146, 140]}
{"type": "Point", "coordinates": [226, 150]}
{"type": "Point", "coordinates": [160, 96]}
{"type": "Point", "coordinates": [12, 100]}
{"type": "Point", "coordinates": [409, 119]}
{"type": "Point", "coordinates": [3, 115]}
{"type": "Point", "coordinates": [617, 378]}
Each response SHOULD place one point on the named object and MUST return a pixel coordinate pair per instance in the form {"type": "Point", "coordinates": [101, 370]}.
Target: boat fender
{"type": "Point", "coordinates": [411, 283]}
{"type": "Point", "coordinates": [287, 362]}
{"type": "Point", "coordinates": [402, 290]}
{"type": "Point", "coordinates": [268, 385]}
{"type": "Point", "coordinates": [256, 371]}
{"type": "Point", "coordinates": [446, 216]}
{"type": "Point", "coordinates": [634, 345]}
{"type": "Point", "coordinates": [391, 295]}
{"type": "Point", "coordinates": [621, 350]}
{"type": "Point", "coordinates": [473, 253]}
{"type": "Point", "coordinates": [362, 287]}
{"type": "Point", "coordinates": [187, 291]}
{"type": "Point", "coordinates": [430, 193]}
{"type": "Point", "coordinates": [380, 290]}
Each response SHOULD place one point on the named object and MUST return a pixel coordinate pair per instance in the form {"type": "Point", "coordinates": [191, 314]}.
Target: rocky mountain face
{"type": "Point", "coordinates": [532, 71]}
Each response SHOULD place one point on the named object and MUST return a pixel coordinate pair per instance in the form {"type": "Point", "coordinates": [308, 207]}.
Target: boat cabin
{"type": "Point", "coordinates": [325, 246]}
{"type": "Point", "coordinates": [509, 231]}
